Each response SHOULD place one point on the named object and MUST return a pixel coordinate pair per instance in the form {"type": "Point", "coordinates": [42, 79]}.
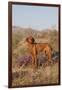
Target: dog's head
{"type": "Point", "coordinates": [30, 40]}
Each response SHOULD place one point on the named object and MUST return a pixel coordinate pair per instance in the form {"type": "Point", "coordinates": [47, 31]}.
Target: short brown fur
{"type": "Point", "coordinates": [35, 48]}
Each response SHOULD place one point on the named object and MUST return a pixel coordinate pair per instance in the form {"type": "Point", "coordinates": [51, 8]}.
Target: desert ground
{"type": "Point", "coordinates": [22, 72]}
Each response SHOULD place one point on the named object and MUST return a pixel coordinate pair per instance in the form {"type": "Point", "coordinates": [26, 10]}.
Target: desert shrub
{"type": "Point", "coordinates": [23, 51]}
{"type": "Point", "coordinates": [55, 57]}
{"type": "Point", "coordinates": [42, 58]}
{"type": "Point", "coordinates": [16, 37]}
{"type": "Point", "coordinates": [54, 40]}
{"type": "Point", "coordinates": [15, 75]}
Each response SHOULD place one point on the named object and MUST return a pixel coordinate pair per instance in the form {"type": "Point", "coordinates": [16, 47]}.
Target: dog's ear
{"type": "Point", "coordinates": [27, 40]}
{"type": "Point", "coordinates": [33, 40]}
{"type": "Point", "coordinates": [30, 40]}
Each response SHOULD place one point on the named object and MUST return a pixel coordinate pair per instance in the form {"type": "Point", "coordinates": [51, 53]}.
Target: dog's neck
{"type": "Point", "coordinates": [30, 45]}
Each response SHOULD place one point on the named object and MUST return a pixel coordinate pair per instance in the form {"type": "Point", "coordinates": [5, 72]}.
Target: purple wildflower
{"type": "Point", "coordinates": [24, 60]}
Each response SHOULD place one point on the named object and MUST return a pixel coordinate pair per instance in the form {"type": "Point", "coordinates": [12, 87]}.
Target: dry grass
{"type": "Point", "coordinates": [25, 75]}
{"type": "Point", "coordinates": [43, 75]}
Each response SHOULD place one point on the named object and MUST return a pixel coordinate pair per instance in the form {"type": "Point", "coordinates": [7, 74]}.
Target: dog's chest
{"type": "Point", "coordinates": [32, 49]}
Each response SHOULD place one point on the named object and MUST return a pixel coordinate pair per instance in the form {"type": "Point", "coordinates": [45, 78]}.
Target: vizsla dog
{"type": "Point", "coordinates": [35, 48]}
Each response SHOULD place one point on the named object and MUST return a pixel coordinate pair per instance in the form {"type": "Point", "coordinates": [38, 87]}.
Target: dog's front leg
{"type": "Point", "coordinates": [33, 60]}
{"type": "Point", "coordinates": [35, 56]}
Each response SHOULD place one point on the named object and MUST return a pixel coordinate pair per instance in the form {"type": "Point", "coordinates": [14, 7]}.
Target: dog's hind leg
{"type": "Point", "coordinates": [48, 53]}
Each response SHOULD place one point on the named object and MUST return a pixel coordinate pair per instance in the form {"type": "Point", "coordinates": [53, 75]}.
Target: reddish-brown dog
{"type": "Point", "coordinates": [34, 48]}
